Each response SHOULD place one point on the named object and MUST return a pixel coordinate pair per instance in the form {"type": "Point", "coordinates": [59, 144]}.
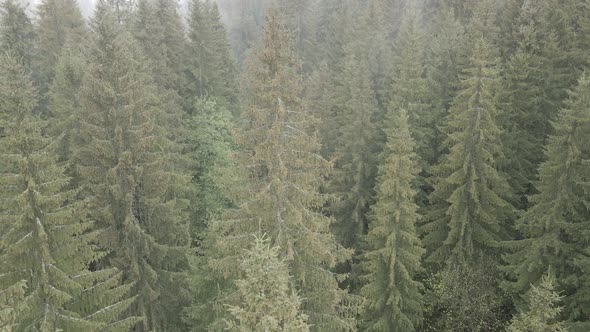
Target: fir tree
{"type": "Point", "coordinates": [410, 88]}
{"type": "Point", "coordinates": [266, 302]}
{"type": "Point", "coordinates": [532, 92]}
{"type": "Point", "coordinates": [16, 31]}
{"type": "Point", "coordinates": [393, 299]}
{"type": "Point", "coordinates": [64, 101]}
{"type": "Point", "coordinates": [46, 239]}
{"type": "Point", "coordinates": [555, 228]}
{"type": "Point", "coordinates": [409, 91]}
{"type": "Point", "coordinates": [284, 173]}
{"type": "Point", "coordinates": [355, 153]}
{"type": "Point", "coordinates": [160, 33]}
{"type": "Point", "coordinates": [469, 212]}
{"type": "Point", "coordinates": [445, 59]}
{"type": "Point", "coordinates": [542, 313]}
{"type": "Point", "coordinates": [126, 162]}
{"type": "Point", "coordinates": [210, 65]}
{"type": "Point", "coordinates": [59, 22]}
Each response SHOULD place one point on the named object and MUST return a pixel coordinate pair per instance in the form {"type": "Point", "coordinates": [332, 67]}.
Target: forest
{"type": "Point", "coordinates": [295, 165]}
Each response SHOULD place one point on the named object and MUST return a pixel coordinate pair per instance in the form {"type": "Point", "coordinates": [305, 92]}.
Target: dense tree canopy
{"type": "Point", "coordinates": [413, 165]}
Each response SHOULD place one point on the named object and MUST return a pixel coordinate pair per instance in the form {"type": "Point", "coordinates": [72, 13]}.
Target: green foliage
{"type": "Point", "coordinates": [464, 298]}
{"type": "Point", "coordinates": [446, 56]}
{"type": "Point", "coordinates": [355, 153]}
{"type": "Point", "coordinates": [210, 147]}
{"type": "Point", "coordinates": [59, 23]}
{"type": "Point", "coordinates": [469, 214]}
{"type": "Point", "coordinates": [211, 69]}
{"type": "Point", "coordinates": [46, 243]}
{"type": "Point", "coordinates": [266, 302]}
{"type": "Point", "coordinates": [409, 89]}
{"type": "Point", "coordinates": [64, 103]}
{"type": "Point", "coordinates": [16, 31]}
{"type": "Point", "coordinates": [283, 173]}
{"type": "Point", "coordinates": [122, 159]}
{"type": "Point", "coordinates": [392, 294]}
{"type": "Point", "coordinates": [160, 32]}
{"type": "Point", "coordinates": [542, 313]}
{"type": "Point", "coordinates": [555, 229]}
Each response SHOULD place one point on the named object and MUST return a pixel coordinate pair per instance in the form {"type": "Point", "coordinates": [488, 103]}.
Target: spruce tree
{"type": "Point", "coordinates": [469, 212]}
{"type": "Point", "coordinates": [46, 244]}
{"type": "Point", "coordinates": [542, 313]}
{"type": "Point", "coordinates": [266, 302]}
{"type": "Point", "coordinates": [211, 68]}
{"type": "Point", "coordinates": [445, 59]}
{"type": "Point", "coordinates": [410, 91]}
{"type": "Point", "coordinates": [159, 30]}
{"type": "Point", "coordinates": [355, 153]}
{"type": "Point", "coordinates": [284, 173]}
{"type": "Point", "coordinates": [126, 162]}
{"type": "Point", "coordinates": [410, 88]}
{"type": "Point", "coordinates": [64, 107]}
{"type": "Point", "coordinates": [555, 228]}
{"type": "Point", "coordinates": [533, 90]}
{"type": "Point", "coordinates": [393, 298]}
{"type": "Point", "coordinates": [59, 22]}
{"type": "Point", "coordinates": [16, 31]}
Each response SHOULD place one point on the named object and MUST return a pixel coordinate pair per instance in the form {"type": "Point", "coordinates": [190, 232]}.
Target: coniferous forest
{"type": "Point", "coordinates": [295, 165]}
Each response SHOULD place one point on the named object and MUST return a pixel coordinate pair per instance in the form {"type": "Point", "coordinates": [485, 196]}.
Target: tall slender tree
{"type": "Point", "coordinates": [159, 30]}
{"type": "Point", "coordinates": [125, 159]}
{"type": "Point", "coordinates": [555, 229]}
{"type": "Point", "coordinates": [210, 64]}
{"type": "Point", "coordinates": [284, 173]}
{"type": "Point", "coordinates": [355, 153]}
{"type": "Point", "coordinates": [469, 215]}
{"type": "Point", "coordinates": [59, 22]}
{"type": "Point", "coordinates": [46, 242]}
{"type": "Point", "coordinates": [392, 293]}
{"type": "Point", "coordinates": [17, 33]}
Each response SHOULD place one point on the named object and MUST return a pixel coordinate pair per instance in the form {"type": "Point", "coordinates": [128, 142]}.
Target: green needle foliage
{"type": "Point", "coordinates": [266, 300]}
{"type": "Point", "coordinates": [284, 173]}
{"type": "Point", "coordinates": [16, 32]}
{"type": "Point", "coordinates": [393, 298]}
{"type": "Point", "coordinates": [59, 23]}
{"type": "Point", "coordinates": [122, 160]}
{"type": "Point", "coordinates": [469, 213]}
{"type": "Point", "coordinates": [542, 313]}
{"type": "Point", "coordinates": [556, 227]}
{"type": "Point", "coordinates": [45, 246]}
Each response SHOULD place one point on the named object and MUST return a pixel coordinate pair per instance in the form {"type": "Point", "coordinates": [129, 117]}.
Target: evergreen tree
{"type": "Point", "coordinates": [266, 300]}
{"type": "Point", "coordinates": [469, 212]}
{"type": "Point", "coordinates": [210, 147]}
{"type": "Point", "coordinates": [464, 297]}
{"type": "Point", "coordinates": [542, 313]}
{"type": "Point", "coordinates": [45, 247]}
{"type": "Point", "coordinates": [555, 229]}
{"type": "Point", "coordinates": [533, 89]}
{"type": "Point", "coordinates": [126, 162]}
{"type": "Point", "coordinates": [64, 102]}
{"type": "Point", "coordinates": [445, 59]}
{"type": "Point", "coordinates": [409, 91]}
{"type": "Point", "coordinates": [159, 30]}
{"type": "Point", "coordinates": [284, 173]}
{"type": "Point", "coordinates": [16, 33]}
{"type": "Point", "coordinates": [59, 22]}
{"type": "Point", "coordinates": [355, 153]}
{"type": "Point", "coordinates": [210, 65]}
{"type": "Point", "coordinates": [410, 88]}
{"type": "Point", "coordinates": [393, 299]}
